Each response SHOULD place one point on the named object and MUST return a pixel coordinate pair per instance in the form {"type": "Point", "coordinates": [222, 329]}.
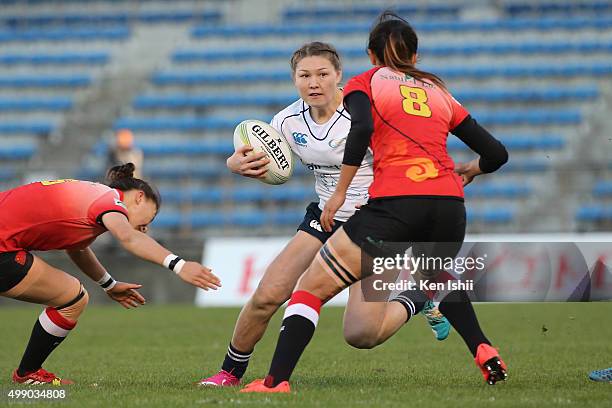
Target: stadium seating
{"type": "Point", "coordinates": [594, 213]}
{"type": "Point", "coordinates": [557, 47]}
{"type": "Point", "coordinates": [535, 70]}
{"type": "Point", "coordinates": [64, 58]}
{"type": "Point", "coordinates": [119, 17]}
{"type": "Point", "coordinates": [517, 9]}
{"type": "Point", "coordinates": [30, 104]}
{"type": "Point", "coordinates": [595, 69]}
{"type": "Point", "coordinates": [603, 188]}
{"type": "Point", "coordinates": [64, 34]}
{"type": "Point", "coordinates": [428, 26]}
{"type": "Point", "coordinates": [180, 101]}
{"type": "Point", "coordinates": [45, 81]}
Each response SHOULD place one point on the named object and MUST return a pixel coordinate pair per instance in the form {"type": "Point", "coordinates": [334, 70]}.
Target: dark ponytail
{"type": "Point", "coordinates": [394, 43]}
{"type": "Point", "coordinates": [122, 178]}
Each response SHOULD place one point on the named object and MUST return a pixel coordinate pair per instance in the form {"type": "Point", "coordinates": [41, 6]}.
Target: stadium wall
{"type": "Point", "coordinates": [240, 262]}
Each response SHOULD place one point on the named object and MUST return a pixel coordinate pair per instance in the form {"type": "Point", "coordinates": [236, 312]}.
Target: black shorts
{"type": "Point", "coordinates": [14, 266]}
{"type": "Point", "coordinates": [312, 223]}
{"type": "Point", "coordinates": [409, 220]}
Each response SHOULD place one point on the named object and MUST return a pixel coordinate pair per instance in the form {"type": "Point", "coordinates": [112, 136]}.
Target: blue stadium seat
{"type": "Point", "coordinates": [66, 58]}
{"type": "Point", "coordinates": [603, 188]}
{"type": "Point", "coordinates": [192, 195]}
{"type": "Point", "coordinates": [45, 81]}
{"type": "Point", "coordinates": [65, 34]}
{"type": "Point", "coordinates": [593, 213]}
{"type": "Point", "coordinates": [34, 104]}
{"type": "Point", "coordinates": [497, 190]}
{"type": "Point", "coordinates": [491, 216]}
{"type": "Point", "coordinates": [191, 123]}
{"type": "Point", "coordinates": [168, 220]}
{"type": "Point", "coordinates": [293, 193]}
{"type": "Point", "coordinates": [529, 116]}
{"type": "Point", "coordinates": [348, 27]}
{"type": "Point", "coordinates": [179, 123]}
{"type": "Point", "coordinates": [36, 127]}
{"type": "Point", "coordinates": [580, 69]}
{"type": "Point", "coordinates": [525, 166]}
{"type": "Point", "coordinates": [167, 172]}
{"type": "Point", "coordinates": [557, 47]}
{"type": "Point", "coordinates": [203, 219]}
{"type": "Point", "coordinates": [245, 219]}
{"type": "Point", "coordinates": [285, 218]}
{"type": "Point", "coordinates": [17, 152]}
{"type": "Point", "coordinates": [518, 142]}
{"type": "Point", "coordinates": [345, 12]}
{"type": "Point", "coordinates": [115, 18]}
{"type": "Point", "coordinates": [188, 147]}
{"type": "Point", "coordinates": [572, 7]}
{"type": "Point", "coordinates": [237, 195]}
{"type": "Point", "coordinates": [7, 174]}
{"type": "Point", "coordinates": [184, 171]}
{"type": "Point", "coordinates": [182, 101]}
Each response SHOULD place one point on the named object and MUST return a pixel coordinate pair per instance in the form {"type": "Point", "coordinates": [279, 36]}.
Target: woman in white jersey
{"type": "Point", "coordinates": [316, 127]}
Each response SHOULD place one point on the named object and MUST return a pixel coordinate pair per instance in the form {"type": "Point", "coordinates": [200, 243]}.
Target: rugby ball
{"type": "Point", "coordinates": [264, 138]}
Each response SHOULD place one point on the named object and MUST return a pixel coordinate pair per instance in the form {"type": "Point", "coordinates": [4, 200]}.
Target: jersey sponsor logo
{"type": "Point", "coordinates": [316, 225]}
{"type": "Point", "coordinates": [21, 258]}
{"type": "Point", "coordinates": [421, 169]}
{"type": "Point", "coordinates": [336, 142]}
{"type": "Point", "coordinates": [300, 138]}
{"type": "Point", "coordinates": [53, 182]}
{"type": "Point", "coordinates": [120, 203]}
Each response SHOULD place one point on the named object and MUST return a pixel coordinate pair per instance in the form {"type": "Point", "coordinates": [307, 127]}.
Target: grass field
{"type": "Point", "coordinates": [150, 358]}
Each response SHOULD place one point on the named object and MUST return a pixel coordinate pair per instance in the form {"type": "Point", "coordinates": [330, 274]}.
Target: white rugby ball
{"type": "Point", "coordinates": [264, 138]}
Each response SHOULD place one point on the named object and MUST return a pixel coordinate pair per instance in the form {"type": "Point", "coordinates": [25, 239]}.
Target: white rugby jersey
{"type": "Point", "coordinates": [321, 149]}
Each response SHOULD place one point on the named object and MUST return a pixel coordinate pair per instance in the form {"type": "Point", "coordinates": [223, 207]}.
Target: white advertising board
{"type": "Point", "coordinates": [240, 263]}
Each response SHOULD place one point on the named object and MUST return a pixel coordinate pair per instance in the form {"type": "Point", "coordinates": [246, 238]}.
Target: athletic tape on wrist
{"type": "Point", "coordinates": [174, 263]}
{"type": "Point", "coordinates": [107, 282]}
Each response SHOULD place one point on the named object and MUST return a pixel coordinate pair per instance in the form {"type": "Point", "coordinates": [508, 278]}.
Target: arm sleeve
{"type": "Point", "coordinates": [492, 152]}
{"type": "Point", "coordinates": [362, 125]}
{"type": "Point", "coordinates": [109, 202]}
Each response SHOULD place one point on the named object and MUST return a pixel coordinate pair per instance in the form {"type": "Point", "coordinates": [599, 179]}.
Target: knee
{"type": "Point", "coordinates": [74, 308]}
{"type": "Point", "coordinates": [360, 338]}
{"type": "Point", "coordinates": [267, 299]}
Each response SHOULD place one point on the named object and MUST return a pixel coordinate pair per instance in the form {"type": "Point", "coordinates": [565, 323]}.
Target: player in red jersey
{"type": "Point", "coordinates": [69, 215]}
{"type": "Point", "coordinates": [404, 115]}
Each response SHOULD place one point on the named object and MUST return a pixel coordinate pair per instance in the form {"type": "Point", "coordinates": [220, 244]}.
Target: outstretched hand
{"type": "Point", "coordinates": [126, 295]}
{"type": "Point", "coordinates": [200, 276]}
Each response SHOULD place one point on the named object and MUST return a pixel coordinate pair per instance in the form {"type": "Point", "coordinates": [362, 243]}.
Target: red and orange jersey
{"type": "Point", "coordinates": [58, 214]}
{"type": "Point", "coordinates": [412, 119]}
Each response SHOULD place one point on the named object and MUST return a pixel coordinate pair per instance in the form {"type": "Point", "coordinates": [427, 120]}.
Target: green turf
{"type": "Point", "coordinates": [150, 358]}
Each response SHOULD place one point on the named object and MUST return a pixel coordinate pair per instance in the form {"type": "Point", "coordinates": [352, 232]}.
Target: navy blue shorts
{"type": "Point", "coordinates": [312, 223]}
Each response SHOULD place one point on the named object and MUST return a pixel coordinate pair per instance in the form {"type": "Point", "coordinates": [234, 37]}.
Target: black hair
{"type": "Point", "coordinates": [394, 43]}
{"type": "Point", "coordinates": [122, 178]}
